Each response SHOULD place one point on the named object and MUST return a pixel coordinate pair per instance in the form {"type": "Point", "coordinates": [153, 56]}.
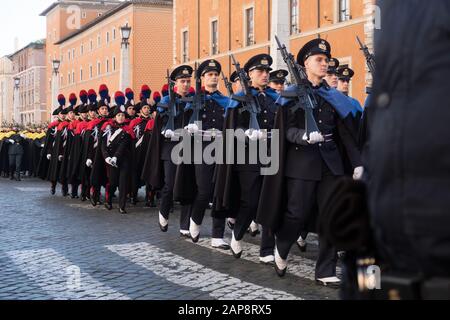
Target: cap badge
{"type": "Point", "coordinates": [264, 61]}
{"type": "Point", "coordinates": [346, 72]}
{"type": "Point", "coordinates": [185, 71]}
{"type": "Point", "coordinates": [322, 47]}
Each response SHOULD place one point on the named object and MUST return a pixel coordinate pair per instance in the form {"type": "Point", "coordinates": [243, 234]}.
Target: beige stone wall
{"type": "Point", "coordinates": [342, 35]}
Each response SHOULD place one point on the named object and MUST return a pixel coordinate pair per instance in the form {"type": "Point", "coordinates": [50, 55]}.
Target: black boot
{"type": "Point", "coordinates": [12, 175]}
{"type": "Point", "coordinates": [18, 177]}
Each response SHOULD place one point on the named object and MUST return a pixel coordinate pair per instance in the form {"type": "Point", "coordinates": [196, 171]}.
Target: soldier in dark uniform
{"type": "Point", "coordinates": [116, 153]}
{"type": "Point", "coordinates": [345, 76]}
{"type": "Point", "coordinates": [85, 129]}
{"type": "Point", "coordinates": [140, 147]}
{"type": "Point", "coordinates": [201, 173]}
{"type": "Point", "coordinates": [54, 154]}
{"type": "Point", "coordinates": [409, 150]}
{"type": "Point", "coordinates": [332, 73]}
{"type": "Point", "coordinates": [159, 169]}
{"type": "Point", "coordinates": [15, 153]}
{"type": "Point", "coordinates": [67, 146]}
{"type": "Point", "coordinates": [94, 157]}
{"type": "Point", "coordinates": [314, 162]}
{"type": "Point", "coordinates": [277, 80]}
{"type": "Point", "coordinates": [130, 105]}
{"type": "Point", "coordinates": [246, 178]}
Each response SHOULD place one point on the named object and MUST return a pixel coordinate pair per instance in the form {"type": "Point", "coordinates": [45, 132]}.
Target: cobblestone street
{"type": "Point", "coordinates": [58, 248]}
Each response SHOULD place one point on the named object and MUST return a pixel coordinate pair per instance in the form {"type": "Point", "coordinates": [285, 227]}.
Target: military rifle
{"type": "Point", "coordinates": [303, 91]}
{"type": "Point", "coordinates": [370, 59]}
{"type": "Point", "coordinates": [249, 102]}
{"type": "Point", "coordinates": [228, 85]}
{"type": "Point", "coordinates": [197, 101]}
{"type": "Point", "coordinates": [170, 109]}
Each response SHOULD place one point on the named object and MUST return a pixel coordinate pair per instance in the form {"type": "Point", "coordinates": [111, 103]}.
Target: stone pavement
{"type": "Point", "coordinates": [55, 248]}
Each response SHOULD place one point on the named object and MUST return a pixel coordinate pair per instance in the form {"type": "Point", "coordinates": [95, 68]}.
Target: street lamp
{"type": "Point", "coordinates": [125, 58]}
{"type": "Point", "coordinates": [56, 64]}
{"type": "Point", "coordinates": [126, 32]}
{"type": "Point", "coordinates": [16, 113]}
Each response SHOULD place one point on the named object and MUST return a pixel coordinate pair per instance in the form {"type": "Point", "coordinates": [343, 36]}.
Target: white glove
{"type": "Point", "coordinates": [314, 138]}
{"type": "Point", "coordinates": [89, 163]}
{"type": "Point", "coordinates": [114, 162]}
{"type": "Point", "coordinates": [42, 145]}
{"type": "Point", "coordinates": [192, 128]}
{"type": "Point", "coordinates": [358, 173]}
{"type": "Point", "coordinates": [11, 141]}
{"type": "Point", "coordinates": [108, 161]}
{"type": "Point", "coordinates": [169, 134]}
{"type": "Point", "coordinates": [49, 156]}
{"type": "Point", "coordinates": [60, 158]}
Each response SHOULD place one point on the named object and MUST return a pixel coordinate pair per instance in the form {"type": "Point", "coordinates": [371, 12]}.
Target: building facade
{"type": "Point", "coordinates": [28, 65]}
{"type": "Point", "coordinates": [93, 54]}
{"type": "Point", "coordinates": [65, 17]}
{"type": "Point", "coordinates": [205, 29]}
{"type": "Point", "coordinates": [6, 91]}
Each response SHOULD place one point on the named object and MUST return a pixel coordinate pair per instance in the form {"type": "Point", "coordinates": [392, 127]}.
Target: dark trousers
{"type": "Point", "coordinates": [303, 197]}
{"type": "Point", "coordinates": [250, 184]}
{"type": "Point", "coordinates": [167, 191]}
{"type": "Point", "coordinates": [15, 162]}
{"type": "Point", "coordinates": [85, 183]}
{"type": "Point", "coordinates": [204, 175]}
{"type": "Point", "coordinates": [267, 242]}
{"type": "Point", "coordinates": [117, 178]}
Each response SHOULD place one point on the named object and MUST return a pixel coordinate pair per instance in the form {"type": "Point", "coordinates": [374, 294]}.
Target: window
{"type": "Point", "coordinates": [294, 16]}
{"type": "Point", "coordinates": [99, 40]}
{"type": "Point", "coordinates": [73, 76]}
{"type": "Point", "coordinates": [107, 37]}
{"type": "Point", "coordinates": [185, 48]}
{"type": "Point", "coordinates": [99, 14]}
{"type": "Point", "coordinates": [214, 37]}
{"type": "Point", "coordinates": [68, 78]}
{"type": "Point", "coordinates": [81, 74]}
{"type": "Point", "coordinates": [249, 27]}
{"type": "Point", "coordinates": [68, 55]}
{"type": "Point", "coordinates": [114, 34]}
{"type": "Point", "coordinates": [344, 10]}
{"type": "Point", "coordinates": [73, 53]}
{"type": "Point", "coordinates": [90, 71]}
{"type": "Point", "coordinates": [83, 15]}
{"type": "Point", "coordinates": [114, 63]}
{"type": "Point", "coordinates": [107, 65]}
{"type": "Point", "coordinates": [99, 71]}
{"type": "Point", "coordinates": [92, 45]}
{"type": "Point", "coordinates": [81, 49]}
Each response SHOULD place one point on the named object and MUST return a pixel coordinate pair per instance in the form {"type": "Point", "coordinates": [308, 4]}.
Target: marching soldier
{"type": "Point", "coordinates": [54, 151]}
{"type": "Point", "coordinates": [140, 147]}
{"type": "Point", "coordinates": [332, 73]}
{"type": "Point", "coordinates": [130, 106]}
{"type": "Point", "coordinates": [77, 128]}
{"type": "Point", "coordinates": [345, 75]}
{"type": "Point", "coordinates": [211, 120]}
{"type": "Point", "coordinates": [312, 165]}
{"type": "Point", "coordinates": [15, 153]}
{"type": "Point", "coordinates": [116, 153]}
{"type": "Point", "coordinates": [67, 146]}
{"type": "Point", "coordinates": [94, 161]}
{"type": "Point", "coordinates": [159, 169]}
{"type": "Point", "coordinates": [243, 198]}
{"type": "Point", "coordinates": [277, 80]}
